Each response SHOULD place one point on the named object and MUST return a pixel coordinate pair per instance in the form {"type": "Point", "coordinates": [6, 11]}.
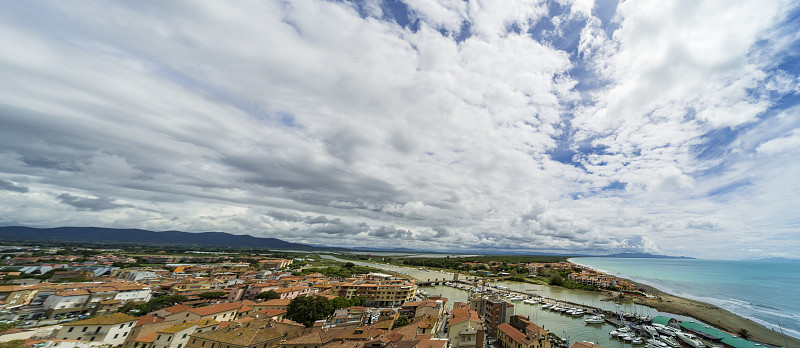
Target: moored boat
{"type": "Point", "coordinates": [670, 341]}
{"type": "Point", "coordinates": [690, 339]}
{"type": "Point", "coordinates": [595, 320]}
{"type": "Point", "coordinates": [650, 330]}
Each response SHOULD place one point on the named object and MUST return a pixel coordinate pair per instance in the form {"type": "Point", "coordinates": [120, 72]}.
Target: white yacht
{"type": "Point", "coordinates": [650, 330]}
{"type": "Point", "coordinates": [670, 341]}
{"type": "Point", "coordinates": [690, 339]}
{"type": "Point", "coordinates": [595, 320]}
{"type": "Point", "coordinates": [637, 340]}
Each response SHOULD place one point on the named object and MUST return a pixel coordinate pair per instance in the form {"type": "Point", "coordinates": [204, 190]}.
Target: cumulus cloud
{"type": "Point", "coordinates": [526, 125]}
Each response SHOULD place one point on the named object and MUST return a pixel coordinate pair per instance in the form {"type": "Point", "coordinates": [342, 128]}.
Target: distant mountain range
{"type": "Point", "coordinates": [143, 237]}
{"type": "Point", "coordinates": [635, 255]}
{"type": "Point", "coordinates": [778, 259]}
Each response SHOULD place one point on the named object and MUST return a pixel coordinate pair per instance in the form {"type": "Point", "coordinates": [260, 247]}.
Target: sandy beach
{"type": "Point", "coordinates": [712, 315]}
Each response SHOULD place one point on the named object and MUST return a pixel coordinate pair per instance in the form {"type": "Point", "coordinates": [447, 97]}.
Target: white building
{"type": "Point", "coordinates": [133, 293]}
{"type": "Point", "coordinates": [67, 299]}
{"type": "Point", "coordinates": [111, 329]}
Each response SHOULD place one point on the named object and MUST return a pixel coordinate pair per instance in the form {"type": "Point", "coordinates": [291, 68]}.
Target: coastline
{"type": "Point", "coordinates": [706, 313]}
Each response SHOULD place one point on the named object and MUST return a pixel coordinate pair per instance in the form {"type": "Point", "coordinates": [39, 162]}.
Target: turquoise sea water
{"type": "Point", "coordinates": [765, 292]}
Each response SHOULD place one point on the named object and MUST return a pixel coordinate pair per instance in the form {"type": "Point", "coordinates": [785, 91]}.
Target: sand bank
{"type": "Point", "coordinates": [713, 315]}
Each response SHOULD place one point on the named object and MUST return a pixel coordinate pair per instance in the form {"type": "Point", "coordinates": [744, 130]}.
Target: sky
{"type": "Point", "coordinates": [567, 126]}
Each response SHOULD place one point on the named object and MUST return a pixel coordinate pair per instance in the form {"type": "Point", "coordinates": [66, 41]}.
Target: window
{"type": "Point", "coordinates": [125, 334]}
{"type": "Point", "coordinates": [85, 328]}
{"type": "Point", "coordinates": [193, 339]}
{"type": "Point", "coordinates": [179, 346]}
{"type": "Point", "coordinates": [169, 338]}
{"type": "Point", "coordinates": [203, 344]}
{"type": "Point", "coordinates": [215, 317]}
{"type": "Point", "coordinates": [184, 336]}
{"type": "Point", "coordinates": [159, 337]}
{"type": "Point", "coordinates": [131, 324]}
{"type": "Point", "coordinates": [187, 315]}
{"type": "Point", "coordinates": [70, 329]}
{"type": "Point", "coordinates": [121, 325]}
{"type": "Point", "coordinates": [212, 345]}
{"type": "Point", "coordinates": [91, 338]}
{"type": "Point", "coordinates": [116, 335]}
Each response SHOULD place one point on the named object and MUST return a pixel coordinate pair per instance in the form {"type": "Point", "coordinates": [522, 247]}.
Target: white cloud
{"type": "Point", "coordinates": [259, 117]}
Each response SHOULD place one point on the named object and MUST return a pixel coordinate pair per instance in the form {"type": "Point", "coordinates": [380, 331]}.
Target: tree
{"type": "Point", "coordinates": [743, 333]}
{"type": "Point", "coordinates": [308, 309]}
{"type": "Point", "coordinates": [349, 265]}
{"type": "Point", "coordinates": [556, 279]}
{"type": "Point", "coordinates": [154, 304]}
{"type": "Point", "coordinates": [400, 322]}
{"type": "Point", "coordinates": [268, 295]}
{"type": "Point", "coordinates": [212, 294]}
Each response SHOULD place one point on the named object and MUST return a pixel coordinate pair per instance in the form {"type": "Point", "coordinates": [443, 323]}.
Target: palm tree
{"type": "Point", "coordinates": [743, 333]}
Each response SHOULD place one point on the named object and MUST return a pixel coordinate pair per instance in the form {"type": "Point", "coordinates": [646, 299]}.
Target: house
{"type": "Point", "coordinates": [220, 312]}
{"type": "Point", "coordinates": [15, 295]}
{"type": "Point", "coordinates": [294, 291]}
{"type": "Point", "coordinates": [465, 327]}
{"type": "Point", "coordinates": [522, 333]}
{"type": "Point", "coordinates": [176, 336]}
{"type": "Point", "coordinates": [493, 310]}
{"type": "Point", "coordinates": [111, 329]}
{"type": "Point", "coordinates": [69, 301]}
{"type": "Point", "coordinates": [273, 263]}
{"type": "Point", "coordinates": [144, 327]}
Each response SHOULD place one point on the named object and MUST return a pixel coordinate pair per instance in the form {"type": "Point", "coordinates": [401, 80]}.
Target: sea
{"type": "Point", "coordinates": [767, 292]}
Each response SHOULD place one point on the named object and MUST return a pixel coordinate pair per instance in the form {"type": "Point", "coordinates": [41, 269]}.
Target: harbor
{"type": "Point", "coordinates": [571, 321]}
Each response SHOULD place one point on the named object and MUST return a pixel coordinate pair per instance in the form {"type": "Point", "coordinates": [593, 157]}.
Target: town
{"type": "Point", "coordinates": [69, 296]}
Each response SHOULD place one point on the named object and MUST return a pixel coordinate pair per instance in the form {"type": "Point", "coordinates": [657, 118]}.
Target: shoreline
{"type": "Point", "coordinates": [705, 313]}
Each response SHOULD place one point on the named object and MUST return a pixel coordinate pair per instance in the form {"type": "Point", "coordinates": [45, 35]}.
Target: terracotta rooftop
{"type": "Point", "coordinates": [177, 308]}
{"type": "Point", "coordinates": [431, 343]}
{"type": "Point", "coordinates": [150, 338]}
{"type": "Point", "coordinates": [253, 333]}
{"type": "Point", "coordinates": [217, 308]}
{"type": "Point", "coordinates": [148, 319]}
{"type": "Point", "coordinates": [276, 302]}
{"type": "Point", "coordinates": [513, 333]}
{"type": "Point", "coordinates": [458, 315]}
{"type": "Point", "coordinates": [584, 344]}
{"type": "Point", "coordinates": [111, 319]}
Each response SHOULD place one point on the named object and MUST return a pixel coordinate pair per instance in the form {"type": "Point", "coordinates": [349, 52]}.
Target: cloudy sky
{"type": "Point", "coordinates": [562, 126]}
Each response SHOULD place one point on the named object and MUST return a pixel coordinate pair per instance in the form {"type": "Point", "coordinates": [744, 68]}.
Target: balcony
{"type": "Point", "coordinates": [468, 331]}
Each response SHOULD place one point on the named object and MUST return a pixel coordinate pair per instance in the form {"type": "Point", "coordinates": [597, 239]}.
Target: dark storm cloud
{"type": "Point", "coordinates": [10, 186]}
{"type": "Point", "coordinates": [284, 216]}
{"type": "Point", "coordinates": [391, 232]}
{"type": "Point", "coordinates": [93, 204]}
{"type": "Point", "coordinates": [338, 227]}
